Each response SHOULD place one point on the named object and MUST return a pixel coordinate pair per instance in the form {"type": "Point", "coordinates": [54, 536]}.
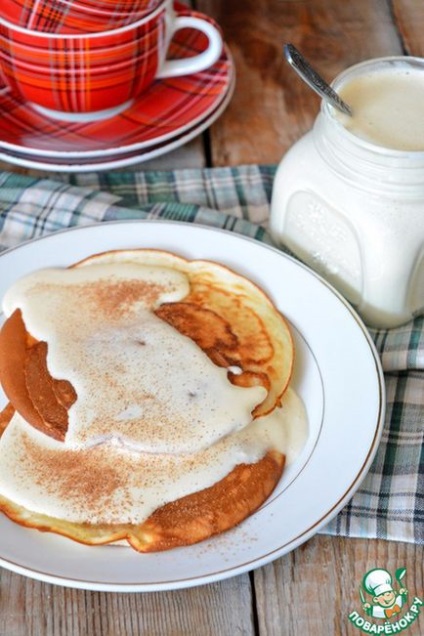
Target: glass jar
{"type": "Point", "coordinates": [353, 210]}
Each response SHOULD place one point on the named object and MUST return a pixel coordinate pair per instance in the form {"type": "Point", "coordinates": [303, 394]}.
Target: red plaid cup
{"type": "Point", "coordinates": [92, 76]}
{"type": "Point", "coordinates": [75, 16]}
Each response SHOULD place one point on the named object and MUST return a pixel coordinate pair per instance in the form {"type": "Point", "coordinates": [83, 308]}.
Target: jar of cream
{"type": "Point", "coordinates": [348, 197]}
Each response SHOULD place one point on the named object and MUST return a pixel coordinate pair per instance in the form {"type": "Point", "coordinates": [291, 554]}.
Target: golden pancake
{"type": "Point", "coordinates": [5, 416]}
{"type": "Point", "coordinates": [229, 317]}
{"type": "Point", "coordinates": [184, 522]}
{"type": "Point", "coordinates": [27, 383]}
{"type": "Point", "coordinates": [239, 329]}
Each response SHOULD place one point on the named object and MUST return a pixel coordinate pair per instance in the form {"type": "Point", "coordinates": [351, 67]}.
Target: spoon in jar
{"type": "Point", "coordinates": [313, 79]}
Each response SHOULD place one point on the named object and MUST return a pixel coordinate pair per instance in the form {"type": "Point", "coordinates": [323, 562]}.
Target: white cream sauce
{"type": "Point", "coordinates": [111, 484]}
{"type": "Point", "coordinates": [139, 381]}
{"type": "Point", "coordinates": [155, 419]}
{"type": "Point", "coordinates": [387, 107]}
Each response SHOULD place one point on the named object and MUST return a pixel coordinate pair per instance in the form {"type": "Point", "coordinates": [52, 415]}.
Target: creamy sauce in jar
{"type": "Point", "coordinates": [387, 105]}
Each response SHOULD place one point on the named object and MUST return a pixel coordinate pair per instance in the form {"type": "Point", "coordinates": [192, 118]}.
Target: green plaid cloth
{"type": "Point", "coordinates": [390, 501]}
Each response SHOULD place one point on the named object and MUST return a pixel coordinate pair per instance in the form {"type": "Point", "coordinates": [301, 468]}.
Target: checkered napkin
{"type": "Point", "coordinates": [390, 501]}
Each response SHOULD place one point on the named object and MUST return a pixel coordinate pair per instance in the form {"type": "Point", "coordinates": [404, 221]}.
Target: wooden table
{"type": "Point", "coordinates": [313, 589]}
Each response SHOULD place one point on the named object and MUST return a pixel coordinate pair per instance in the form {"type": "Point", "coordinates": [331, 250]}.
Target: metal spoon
{"type": "Point", "coordinates": [315, 81]}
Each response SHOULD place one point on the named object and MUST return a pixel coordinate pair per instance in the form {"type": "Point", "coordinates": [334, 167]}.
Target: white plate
{"type": "Point", "coordinates": [337, 374]}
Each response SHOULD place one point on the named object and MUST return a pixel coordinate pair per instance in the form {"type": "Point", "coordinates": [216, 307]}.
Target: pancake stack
{"type": "Point", "coordinates": [145, 393]}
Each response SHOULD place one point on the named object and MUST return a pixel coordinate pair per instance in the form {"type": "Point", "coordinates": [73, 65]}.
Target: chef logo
{"type": "Point", "coordinates": [385, 603]}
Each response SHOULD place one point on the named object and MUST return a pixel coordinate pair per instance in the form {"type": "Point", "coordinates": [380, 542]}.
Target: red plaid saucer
{"type": "Point", "coordinates": [163, 112]}
{"type": "Point", "coordinates": [119, 160]}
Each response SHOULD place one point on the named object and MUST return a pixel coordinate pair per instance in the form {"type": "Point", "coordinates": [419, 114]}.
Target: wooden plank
{"type": "Point", "coordinates": [314, 589]}
{"type": "Point", "coordinates": [409, 16]}
{"type": "Point", "coordinates": [271, 107]}
{"type": "Point", "coordinates": [29, 607]}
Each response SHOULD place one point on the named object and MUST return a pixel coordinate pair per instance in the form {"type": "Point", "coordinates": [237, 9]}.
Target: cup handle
{"type": "Point", "coordinates": [196, 63]}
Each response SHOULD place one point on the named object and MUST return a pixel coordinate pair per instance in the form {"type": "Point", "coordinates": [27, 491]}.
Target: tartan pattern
{"type": "Point", "coordinates": [83, 73]}
{"type": "Point", "coordinates": [390, 502]}
{"type": "Point", "coordinates": [76, 16]}
{"type": "Point", "coordinates": [166, 108]}
{"type": "Point", "coordinates": [120, 160]}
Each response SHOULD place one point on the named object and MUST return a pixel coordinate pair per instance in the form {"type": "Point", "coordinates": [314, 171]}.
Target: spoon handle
{"type": "Point", "coordinates": [313, 79]}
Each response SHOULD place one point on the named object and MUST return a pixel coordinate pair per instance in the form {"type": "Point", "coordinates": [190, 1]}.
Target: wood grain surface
{"type": "Point", "coordinates": [312, 590]}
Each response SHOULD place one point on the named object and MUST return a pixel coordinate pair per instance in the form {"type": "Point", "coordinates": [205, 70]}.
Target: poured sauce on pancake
{"type": "Point", "coordinates": [155, 416]}
{"type": "Point", "coordinates": [111, 484]}
{"type": "Point", "coordinates": [139, 381]}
